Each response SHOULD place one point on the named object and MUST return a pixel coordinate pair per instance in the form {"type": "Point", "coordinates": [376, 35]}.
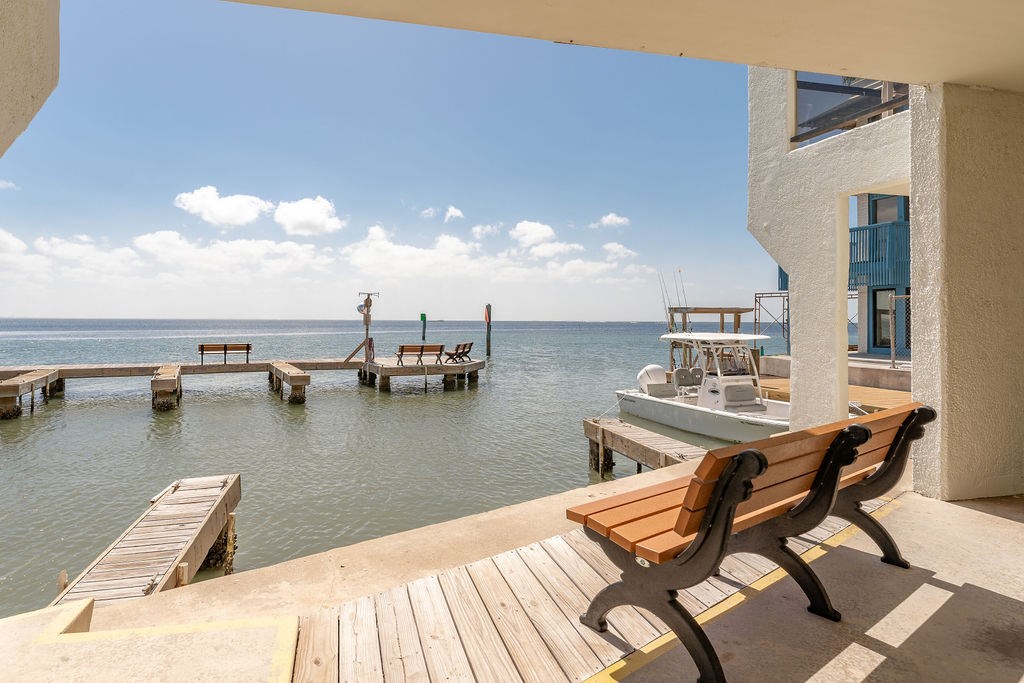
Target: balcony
{"type": "Point", "coordinates": [880, 254]}
{"type": "Point", "coordinates": [827, 105]}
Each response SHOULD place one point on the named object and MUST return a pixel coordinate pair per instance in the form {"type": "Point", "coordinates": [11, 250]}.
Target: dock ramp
{"type": "Point", "coordinates": [165, 547]}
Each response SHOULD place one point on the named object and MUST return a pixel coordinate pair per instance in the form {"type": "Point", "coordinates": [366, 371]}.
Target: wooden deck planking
{"type": "Point", "coordinates": [442, 647]}
{"type": "Point", "coordinates": [872, 398]}
{"type": "Point", "coordinates": [143, 558]}
{"type": "Point", "coordinates": [484, 647]}
{"type": "Point", "coordinates": [316, 653]}
{"type": "Point", "coordinates": [566, 643]}
{"type": "Point", "coordinates": [641, 445]}
{"type": "Point", "coordinates": [534, 661]}
{"type": "Point", "coordinates": [400, 649]}
{"type": "Point", "coordinates": [358, 644]}
{"type": "Point", "coordinates": [511, 617]}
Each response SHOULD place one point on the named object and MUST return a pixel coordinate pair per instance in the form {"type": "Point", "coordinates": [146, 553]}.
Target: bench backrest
{"type": "Point", "coordinates": [221, 348]}
{"type": "Point", "coordinates": [793, 463]}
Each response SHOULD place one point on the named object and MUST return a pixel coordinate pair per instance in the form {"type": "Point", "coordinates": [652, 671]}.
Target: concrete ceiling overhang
{"type": "Point", "coordinates": [976, 42]}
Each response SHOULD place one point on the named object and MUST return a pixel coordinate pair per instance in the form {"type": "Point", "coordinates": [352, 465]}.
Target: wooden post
{"type": "Point", "coordinates": [473, 376]}
{"type": "Point", "coordinates": [448, 382]}
{"type": "Point", "coordinates": [600, 446]}
{"type": "Point", "coordinates": [595, 456]}
{"type": "Point", "coordinates": [423, 319]}
{"type": "Point", "coordinates": [229, 550]}
{"type": "Point", "coordinates": [181, 575]}
{"type": "Point", "coordinates": [62, 581]}
{"type": "Point", "coordinates": [487, 319]}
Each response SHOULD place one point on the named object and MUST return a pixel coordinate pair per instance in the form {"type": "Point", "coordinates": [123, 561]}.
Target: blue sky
{"type": "Point", "coordinates": [213, 159]}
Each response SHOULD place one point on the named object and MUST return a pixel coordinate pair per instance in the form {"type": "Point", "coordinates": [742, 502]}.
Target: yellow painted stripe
{"type": "Point", "coordinates": [643, 656]}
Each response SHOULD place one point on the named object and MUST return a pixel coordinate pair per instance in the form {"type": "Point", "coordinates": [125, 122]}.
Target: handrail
{"type": "Point", "coordinates": [880, 108]}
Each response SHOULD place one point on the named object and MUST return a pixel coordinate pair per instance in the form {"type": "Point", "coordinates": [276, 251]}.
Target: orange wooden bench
{"type": "Point", "coordinates": [747, 498]}
{"type": "Point", "coordinates": [420, 349]}
{"type": "Point", "coordinates": [223, 349]}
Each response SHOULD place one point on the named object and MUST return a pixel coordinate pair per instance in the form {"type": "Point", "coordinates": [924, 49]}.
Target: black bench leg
{"type": "Point", "coordinates": [793, 564]}
{"type": "Point", "coordinates": [662, 604]}
{"type": "Point", "coordinates": [852, 512]}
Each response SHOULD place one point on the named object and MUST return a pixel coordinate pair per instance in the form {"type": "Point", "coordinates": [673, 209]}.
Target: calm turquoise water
{"type": "Point", "coordinates": [349, 465]}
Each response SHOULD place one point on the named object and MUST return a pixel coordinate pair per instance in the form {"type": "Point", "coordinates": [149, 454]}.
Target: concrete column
{"type": "Point", "coordinates": [967, 276]}
{"type": "Point", "coordinates": [30, 58]}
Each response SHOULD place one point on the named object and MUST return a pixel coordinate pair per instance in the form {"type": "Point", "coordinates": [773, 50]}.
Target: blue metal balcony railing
{"type": "Point", "coordinates": [880, 254]}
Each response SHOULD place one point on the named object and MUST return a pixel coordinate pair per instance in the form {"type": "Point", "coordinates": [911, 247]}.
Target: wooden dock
{"type": "Point", "coordinates": [165, 547]}
{"type": "Point", "coordinates": [872, 399]}
{"type": "Point", "coordinates": [511, 617]}
{"type": "Point", "coordinates": [386, 368]}
{"type": "Point", "coordinates": [643, 446]}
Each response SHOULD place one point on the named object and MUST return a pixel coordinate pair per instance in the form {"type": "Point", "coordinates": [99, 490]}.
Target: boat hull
{"type": "Point", "coordinates": [733, 427]}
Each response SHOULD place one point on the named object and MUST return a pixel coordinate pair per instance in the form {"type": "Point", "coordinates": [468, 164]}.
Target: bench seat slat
{"type": "Point", "coordinates": [664, 546]}
{"type": "Point", "coordinates": [580, 513]}
{"type": "Point", "coordinates": [605, 521]}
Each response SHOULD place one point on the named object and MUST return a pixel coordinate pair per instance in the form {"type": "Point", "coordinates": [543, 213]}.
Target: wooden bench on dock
{"type": "Point", "coordinates": [224, 349]}
{"type": "Point", "coordinates": [460, 354]}
{"type": "Point", "coordinates": [747, 498]}
{"type": "Point", "coordinates": [419, 349]}
{"type": "Point", "coordinates": [165, 547]}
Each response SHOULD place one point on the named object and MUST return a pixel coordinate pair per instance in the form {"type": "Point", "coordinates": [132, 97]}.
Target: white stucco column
{"type": "Point", "coordinates": [798, 209]}
{"type": "Point", "coordinates": [29, 58]}
{"type": "Point", "coordinates": [967, 283]}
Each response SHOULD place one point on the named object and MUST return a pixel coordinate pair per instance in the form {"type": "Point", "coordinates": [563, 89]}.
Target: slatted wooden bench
{"type": "Point", "coordinates": [747, 498]}
{"type": "Point", "coordinates": [224, 349]}
{"type": "Point", "coordinates": [460, 354]}
{"type": "Point", "coordinates": [420, 349]}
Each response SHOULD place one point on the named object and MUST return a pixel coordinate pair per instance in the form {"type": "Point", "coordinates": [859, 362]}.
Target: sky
{"type": "Point", "coordinates": [208, 159]}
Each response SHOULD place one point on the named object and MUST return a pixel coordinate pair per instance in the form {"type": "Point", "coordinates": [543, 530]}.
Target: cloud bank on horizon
{"type": "Point", "coordinates": [165, 272]}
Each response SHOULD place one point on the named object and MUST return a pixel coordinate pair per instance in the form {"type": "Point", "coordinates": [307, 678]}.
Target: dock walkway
{"type": "Point", "coordinates": [871, 399]}
{"type": "Point", "coordinates": [511, 617]}
{"type": "Point", "coordinates": [385, 368]}
{"type": "Point", "coordinates": [164, 547]}
{"type": "Point", "coordinates": [643, 446]}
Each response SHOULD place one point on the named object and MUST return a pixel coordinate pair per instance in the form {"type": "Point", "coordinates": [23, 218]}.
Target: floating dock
{"type": "Point", "coordinates": [165, 547]}
{"type": "Point", "coordinates": [646, 448]}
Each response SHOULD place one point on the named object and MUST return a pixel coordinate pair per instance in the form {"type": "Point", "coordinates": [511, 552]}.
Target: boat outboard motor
{"type": "Point", "coordinates": [651, 374]}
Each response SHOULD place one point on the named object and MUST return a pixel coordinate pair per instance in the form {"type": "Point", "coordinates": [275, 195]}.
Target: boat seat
{"type": "Point", "coordinates": [752, 407]}
{"type": "Point", "coordinates": [662, 390]}
{"type": "Point", "coordinates": [682, 377]}
{"type": "Point", "coordinates": [698, 375]}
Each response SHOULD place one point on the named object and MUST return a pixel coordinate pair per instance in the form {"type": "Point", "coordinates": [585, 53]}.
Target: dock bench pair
{"type": "Point", "coordinates": [224, 349]}
{"type": "Point", "coordinates": [747, 498]}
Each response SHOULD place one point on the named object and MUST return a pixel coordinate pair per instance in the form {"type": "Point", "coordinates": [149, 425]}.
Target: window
{"type": "Point", "coordinates": [883, 314]}
{"type": "Point", "coordinates": [887, 209]}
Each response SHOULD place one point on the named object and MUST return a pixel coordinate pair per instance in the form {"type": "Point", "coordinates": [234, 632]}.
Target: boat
{"type": "Point", "coordinates": [716, 392]}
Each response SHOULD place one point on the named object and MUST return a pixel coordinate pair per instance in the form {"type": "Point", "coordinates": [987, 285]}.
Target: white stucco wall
{"type": "Point", "coordinates": [29, 60]}
{"type": "Point", "coordinates": [798, 209]}
{"type": "Point", "coordinates": [967, 275]}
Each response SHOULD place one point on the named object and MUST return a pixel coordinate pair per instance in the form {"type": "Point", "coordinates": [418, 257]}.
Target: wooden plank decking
{"type": "Point", "coordinates": [511, 617]}
{"type": "Point", "coordinates": [647, 448]}
{"type": "Point", "coordinates": [180, 526]}
{"type": "Point", "coordinates": [872, 399]}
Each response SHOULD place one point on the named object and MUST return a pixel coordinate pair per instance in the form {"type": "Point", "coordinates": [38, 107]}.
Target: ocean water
{"type": "Point", "coordinates": [349, 465]}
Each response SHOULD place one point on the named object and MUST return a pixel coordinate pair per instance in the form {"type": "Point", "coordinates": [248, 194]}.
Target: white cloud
{"type": "Point", "coordinates": [308, 217]}
{"type": "Point", "coordinates": [230, 211]}
{"type": "Point", "coordinates": [88, 260]}
{"type": "Point", "coordinates": [618, 252]}
{"type": "Point", "coordinates": [452, 213]}
{"type": "Point", "coordinates": [482, 231]}
{"type": "Point", "coordinates": [530, 233]}
{"type": "Point", "coordinates": [9, 244]}
{"type": "Point", "coordinates": [428, 212]}
{"type": "Point", "coordinates": [550, 250]}
{"type": "Point", "coordinates": [8, 185]}
{"type": "Point", "coordinates": [83, 238]}
{"type": "Point", "coordinates": [611, 220]}
{"type": "Point", "coordinates": [578, 269]}
{"type": "Point", "coordinates": [237, 261]}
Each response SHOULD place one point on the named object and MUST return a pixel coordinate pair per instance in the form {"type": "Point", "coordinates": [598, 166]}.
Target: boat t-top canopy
{"type": "Point", "coordinates": [712, 337]}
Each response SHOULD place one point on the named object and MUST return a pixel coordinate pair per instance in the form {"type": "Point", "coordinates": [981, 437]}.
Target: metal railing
{"type": "Point", "coordinates": [827, 103]}
{"type": "Point", "coordinates": [880, 254]}
{"type": "Point", "coordinates": [899, 344]}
